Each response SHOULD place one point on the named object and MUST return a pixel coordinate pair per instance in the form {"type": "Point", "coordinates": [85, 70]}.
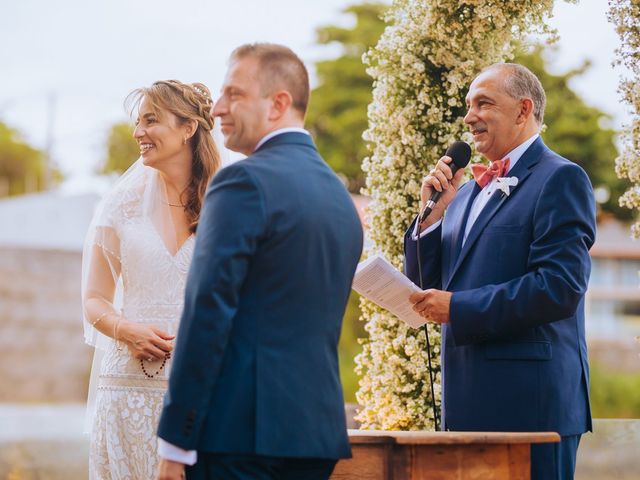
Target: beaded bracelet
{"type": "Point", "coordinates": [100, 317]}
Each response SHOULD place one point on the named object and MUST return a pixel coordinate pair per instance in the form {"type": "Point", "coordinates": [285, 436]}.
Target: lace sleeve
{"type": "Point", "coordinates": [100, 268]}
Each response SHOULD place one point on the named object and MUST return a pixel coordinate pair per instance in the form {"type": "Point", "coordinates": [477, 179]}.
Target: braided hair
{"type": "Point", "coordinates": [188, 102]}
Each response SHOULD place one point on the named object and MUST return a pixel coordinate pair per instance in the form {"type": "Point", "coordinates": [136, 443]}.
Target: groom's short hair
{"type": "Point", "coordinates": [280, 68]}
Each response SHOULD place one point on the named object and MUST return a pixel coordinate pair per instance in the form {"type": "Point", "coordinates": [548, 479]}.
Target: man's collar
{"type": "Point", "coordinates": [515, 154]}
{"type": "Point", "coordinates": [279, 131]}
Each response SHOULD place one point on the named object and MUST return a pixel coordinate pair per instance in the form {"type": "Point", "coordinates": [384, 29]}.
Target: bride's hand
{"type": "Point", "coordinates": [145, 342]}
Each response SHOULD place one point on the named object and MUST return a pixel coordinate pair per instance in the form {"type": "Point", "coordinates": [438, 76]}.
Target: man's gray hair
{"type": "Point", "coordinates": [522, 83]}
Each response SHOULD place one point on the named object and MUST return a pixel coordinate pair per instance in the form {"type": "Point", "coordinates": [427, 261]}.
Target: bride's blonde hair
{"type": "Point", "coordinates": [187, 102]}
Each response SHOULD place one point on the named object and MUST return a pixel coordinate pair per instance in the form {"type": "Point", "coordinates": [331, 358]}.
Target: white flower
{"type": "Point", "coordinates": [505, 183]}
{"type": "Point", "coordinates": [624, 14]}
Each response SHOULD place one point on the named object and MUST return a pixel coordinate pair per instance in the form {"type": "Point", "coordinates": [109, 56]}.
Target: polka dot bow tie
{"type": "Point", "coordinates": [483, 174]}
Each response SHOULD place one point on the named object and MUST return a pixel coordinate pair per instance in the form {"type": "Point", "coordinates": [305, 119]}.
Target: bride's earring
{"type": "Point", "coordinates": [184, 142]}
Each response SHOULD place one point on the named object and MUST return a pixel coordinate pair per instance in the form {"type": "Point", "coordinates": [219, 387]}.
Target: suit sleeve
{"type": "Point", "coordinates": [558, 267]}
{"type": "Point", "coordinates": [232, 222]}
{"type": "Point", "coordinates": [430, 257]}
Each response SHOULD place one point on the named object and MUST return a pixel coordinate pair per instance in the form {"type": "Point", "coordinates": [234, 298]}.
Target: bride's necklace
{"type": "Point", "coordinates": [175, 204]}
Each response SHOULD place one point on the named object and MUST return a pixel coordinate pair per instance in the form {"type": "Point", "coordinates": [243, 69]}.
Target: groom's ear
{"type": "Point", "coordinates": [281, 102]}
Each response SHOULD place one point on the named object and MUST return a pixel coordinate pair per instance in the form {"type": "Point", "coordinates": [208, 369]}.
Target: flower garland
{"type": "Point", "coordinates": [422, 67]}
{"type": "Point", "coordinates": [625, 15]}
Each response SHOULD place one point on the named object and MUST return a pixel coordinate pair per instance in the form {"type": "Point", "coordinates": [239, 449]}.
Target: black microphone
{"type": "Point", "coordinates": [460, 154]}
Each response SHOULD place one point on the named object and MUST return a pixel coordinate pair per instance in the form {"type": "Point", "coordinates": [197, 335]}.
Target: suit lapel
{"type": "Point", "coordinates": [521, 171]}
{"type": "Point", "coordinates": [456, 220]}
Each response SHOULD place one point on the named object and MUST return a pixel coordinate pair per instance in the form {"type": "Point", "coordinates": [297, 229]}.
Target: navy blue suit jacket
{"type": "Point", "coordinates": [255, 365]}
{"type": "Point", "coordinates": [514, 354]}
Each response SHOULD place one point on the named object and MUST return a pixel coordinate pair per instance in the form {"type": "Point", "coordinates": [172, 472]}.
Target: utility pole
{"type": "Point", "coordinates": [48, 148]}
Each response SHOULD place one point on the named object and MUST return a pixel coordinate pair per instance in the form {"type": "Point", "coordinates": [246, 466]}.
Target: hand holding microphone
{"type": "Point", "coordinates": [441, 184]}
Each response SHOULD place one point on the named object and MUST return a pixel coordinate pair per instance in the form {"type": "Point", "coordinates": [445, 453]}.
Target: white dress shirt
{"type": "Point", "coordinates": [167, 450]}
{"type": "Point", "coordinates": [483, 197]}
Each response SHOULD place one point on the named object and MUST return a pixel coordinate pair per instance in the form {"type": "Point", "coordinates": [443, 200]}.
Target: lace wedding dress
{"type": "Point", "coordinates": [128, 403]}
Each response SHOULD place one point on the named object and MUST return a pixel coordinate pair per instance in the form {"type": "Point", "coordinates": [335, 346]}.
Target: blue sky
{"type": "Point", "coordinates": [85, 56]}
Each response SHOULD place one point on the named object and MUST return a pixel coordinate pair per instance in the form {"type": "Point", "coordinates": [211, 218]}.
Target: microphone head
{"type": "Point", "coordinates": [460, 153]}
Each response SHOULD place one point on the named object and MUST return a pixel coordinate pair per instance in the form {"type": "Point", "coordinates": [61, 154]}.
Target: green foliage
{"type": "Point", "coordinates": [614, 394]}
{"type": "Point", "coordinates": [22, 167]}
{"type": "Point", "coordinates": [122, 149]}
{"type": "Point", "coordinates": [337, 114]}
{"type": "Point", "coordinates": [577, 131]}
{"type": "Point", "coordinates": [352, 330]}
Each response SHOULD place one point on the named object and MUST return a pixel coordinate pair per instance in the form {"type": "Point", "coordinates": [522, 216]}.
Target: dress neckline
{"type": "Point", "coordinates": [164, 245]}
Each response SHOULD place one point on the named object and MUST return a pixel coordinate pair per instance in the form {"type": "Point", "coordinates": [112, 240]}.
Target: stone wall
{"type": "Point", "coordinates": [43, 357]}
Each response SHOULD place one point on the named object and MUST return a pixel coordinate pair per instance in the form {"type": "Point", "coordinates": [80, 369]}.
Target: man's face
{"type": "Point", "coordinates": [243, 108]}
{"type": "Point", "coordinates": [493, 116]}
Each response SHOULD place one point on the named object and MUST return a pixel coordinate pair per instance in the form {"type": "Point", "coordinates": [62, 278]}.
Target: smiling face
{"type": "Point", "coordinates": [243, 107]}
{"type": "Point", "coordinates": [498, 122]}
{"type": "Point", "coordinates": [160, 136]}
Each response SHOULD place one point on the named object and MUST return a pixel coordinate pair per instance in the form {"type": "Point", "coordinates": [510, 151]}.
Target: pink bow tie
{"type": "Point", "coordinates": [483, 173]}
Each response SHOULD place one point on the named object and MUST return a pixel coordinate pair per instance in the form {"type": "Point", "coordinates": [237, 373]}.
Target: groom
{"type": "Point", "coordinates": [506, 270]}
{"type": "Point", "coordinates": [254, 386]}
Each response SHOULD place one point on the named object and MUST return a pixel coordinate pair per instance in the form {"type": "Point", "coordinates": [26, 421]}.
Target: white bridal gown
{"type": "Point", "coordinates": [128, 403]}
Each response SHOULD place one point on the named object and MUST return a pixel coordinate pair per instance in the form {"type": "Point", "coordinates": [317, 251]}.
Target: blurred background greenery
{"type": "Point", "coordinates": [614, 394]}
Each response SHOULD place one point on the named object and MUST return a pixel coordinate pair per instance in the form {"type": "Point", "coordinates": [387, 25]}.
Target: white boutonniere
{"type": "Point", "coordinates": [505, 184]}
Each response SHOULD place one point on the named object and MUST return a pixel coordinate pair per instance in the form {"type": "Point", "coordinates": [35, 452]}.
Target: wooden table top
{"type": "Point", "coordinates": [448, 438]}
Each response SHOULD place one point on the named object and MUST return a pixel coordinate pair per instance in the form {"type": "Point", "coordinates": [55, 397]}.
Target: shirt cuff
{"type": "Point", "coordinates": [428, 230]}
{"type": "Point", "coordinates": [169, 451]}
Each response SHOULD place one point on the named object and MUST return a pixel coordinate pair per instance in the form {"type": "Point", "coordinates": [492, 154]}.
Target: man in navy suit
{"type": "Point", "coordinates": [505, 271]}
{"type": "Point", "coordinates": [254, 386]}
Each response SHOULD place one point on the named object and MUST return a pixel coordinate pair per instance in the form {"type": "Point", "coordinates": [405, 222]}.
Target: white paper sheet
{"type": "Point", "coordinates": [379, 281]}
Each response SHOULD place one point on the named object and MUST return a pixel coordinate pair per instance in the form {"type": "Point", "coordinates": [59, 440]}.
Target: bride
{"type": "Point", "coordinates": [136, 256]}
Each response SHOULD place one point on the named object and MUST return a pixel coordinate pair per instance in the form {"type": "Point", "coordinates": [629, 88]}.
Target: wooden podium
{"type": "Point", "coordinates": [389, 455]}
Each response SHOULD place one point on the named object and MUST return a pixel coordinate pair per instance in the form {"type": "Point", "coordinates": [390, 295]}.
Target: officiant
{"type": "Point", "coordinates": [506, 271]}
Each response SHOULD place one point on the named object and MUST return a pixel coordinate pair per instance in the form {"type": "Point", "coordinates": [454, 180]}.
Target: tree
{"type": "Point", "coordinates": [576, 130]}
{"type": "Point", "coordinates": [625, 16]}
{"type": "Point", "coordinates": [337, 117]}
{"type": "Point", "coordinates": [22, 167]}
{"type": "Point", "coordinates": [337, 114]}
{"type": "Point", "coordinates": [122, 149]}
